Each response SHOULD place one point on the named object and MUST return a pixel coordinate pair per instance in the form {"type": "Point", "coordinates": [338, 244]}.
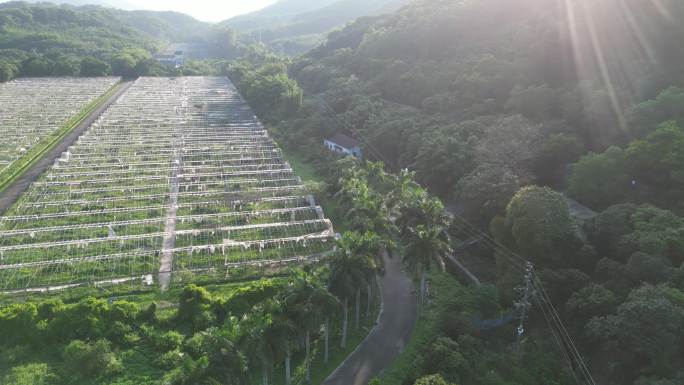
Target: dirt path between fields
{"type": "Point", "coordinates": [169, 242]}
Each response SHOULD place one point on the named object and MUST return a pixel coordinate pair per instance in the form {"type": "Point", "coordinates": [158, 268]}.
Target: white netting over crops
{"type": "Point", "coordinates": [177, 175]}
{"type": "Point", "coordinates": [33, 108]}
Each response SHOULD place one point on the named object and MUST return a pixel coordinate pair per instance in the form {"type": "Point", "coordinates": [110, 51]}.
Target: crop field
{"type": "Point", "coordinates": [178, 175]}
{"type": "Point", "coordinates": [34, 108]}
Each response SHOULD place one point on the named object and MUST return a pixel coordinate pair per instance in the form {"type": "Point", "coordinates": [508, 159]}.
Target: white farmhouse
{"type": "Point", "coordinates": [342, 144]}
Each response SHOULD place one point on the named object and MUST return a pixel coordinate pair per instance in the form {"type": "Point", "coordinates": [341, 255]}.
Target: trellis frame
{"type": "Point", "coordinates": [172, 172]}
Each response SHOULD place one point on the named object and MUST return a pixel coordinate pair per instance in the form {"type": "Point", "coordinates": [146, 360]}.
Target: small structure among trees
{"type": "Point", "coordinates": [171, 57]}
{"type": "Point", "coordinates": [343, 144]}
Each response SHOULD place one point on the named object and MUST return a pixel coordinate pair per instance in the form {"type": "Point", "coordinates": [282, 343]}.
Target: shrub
{"type": "Point", "coordinates": [171, 359]}
{"type": "Point", "coordinates": [31, 374]}
{"type": "Point", "coordinates": [434, 379]}
{"type": "Point", "coordinates": [90, 360]}
{"type": "Point", "coordinates": [193, 308]}
{"type": "Point", "coordinates": [164, 342]}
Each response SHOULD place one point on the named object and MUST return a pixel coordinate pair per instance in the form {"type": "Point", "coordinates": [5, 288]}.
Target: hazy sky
{"type": "Point", "coordinates": [207, 10]}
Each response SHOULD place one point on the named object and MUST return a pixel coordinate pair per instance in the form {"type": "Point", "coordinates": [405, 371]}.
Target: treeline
{"type": "Point", "coordinates": [262, 79]}
{"type": "Point", "coordinates": [129, 63]}
{"type": "Point", "coordinates": [207, 339]}
{"type": "Point", "coordinates": [50, 40]}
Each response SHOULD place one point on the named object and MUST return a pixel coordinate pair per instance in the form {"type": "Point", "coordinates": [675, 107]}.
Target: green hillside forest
{"type": "Point", "coordinates": [513, 112]}
{"type": "Point", "coordinates": [45, 39]}
{"type": "Point", "coordinates": [501, 132]}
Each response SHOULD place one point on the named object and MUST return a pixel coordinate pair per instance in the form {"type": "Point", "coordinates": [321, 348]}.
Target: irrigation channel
{"type": "Point", "coordinates": [176, 176]}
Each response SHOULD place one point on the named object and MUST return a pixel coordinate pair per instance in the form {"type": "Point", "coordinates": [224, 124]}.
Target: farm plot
{"type": "Point", "coordinates": [32, 109]}
{"type": "Point", "coordinates": [177, 175]}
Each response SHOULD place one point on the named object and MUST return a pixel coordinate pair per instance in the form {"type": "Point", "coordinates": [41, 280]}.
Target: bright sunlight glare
{"type": "Point", "coordinates": [591, 46]}
{"type": "Point", "coordinates": [205, 10]}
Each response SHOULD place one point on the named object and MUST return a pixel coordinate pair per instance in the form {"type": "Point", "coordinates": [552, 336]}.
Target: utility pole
{"type": "Point", "coordinates": [524, 304]}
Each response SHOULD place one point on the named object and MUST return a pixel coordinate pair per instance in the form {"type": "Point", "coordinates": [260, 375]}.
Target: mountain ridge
{"type": "Point", "coordinates": [117, 4]}
{"type": "Point", "coordinates": [296, 26]}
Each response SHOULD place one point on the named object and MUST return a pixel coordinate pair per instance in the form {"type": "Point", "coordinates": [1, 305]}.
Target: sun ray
{"type": "Point", "coordinates": [662, 9]}
{"type": "Point", "coordinates": [644, 44]}
{"type": "Point", "coordinates": [574, 36]}
{"type": "Point", "coordinates": [603, 67]}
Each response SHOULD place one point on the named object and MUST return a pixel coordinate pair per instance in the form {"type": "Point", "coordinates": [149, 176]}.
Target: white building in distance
{"type": "Point", "coordinates": [343, 144]}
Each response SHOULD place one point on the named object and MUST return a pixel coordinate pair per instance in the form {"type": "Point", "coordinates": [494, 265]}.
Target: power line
{"type": "Point", "coordinates": [582, 366]}
{"type": "Point", "coordinates": [535, 289]}
{"type": "Point", "coordinates": [525, 304]}
{"type": "Point", "coordinates": [533, 285]}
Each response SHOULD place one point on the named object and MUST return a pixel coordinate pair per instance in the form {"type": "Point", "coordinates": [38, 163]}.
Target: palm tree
{"type": "Point", "coordinates": [403, 186]}
{"type": "Point", "coordinates": [367, 204]}
{"type": "Point", "coordinates": [352, 265]}
{"type": "Point", "coordinates": [326, 329]}
{"type": "Point", "coordinates": [369, 212]}
{"type": "Point", "coordinates": [262, 348]}
{"type": "Point", "coordinates": [284, 330]}
{"type": "Point", "coordinates": [226, 360]}
{"type": "Point", "coordinates": [307, 303]}
{"type": "Point", "coordinates": [271, 336]}
{"type": "Point", "coordinates": [421, 209]}
{"type": "Point", "coordinates": [424, 227]}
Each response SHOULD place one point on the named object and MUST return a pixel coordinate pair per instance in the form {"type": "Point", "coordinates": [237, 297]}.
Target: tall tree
{"type": "Point", "coordinates": [352, 265]}
{"type": "Point", "coordinates": [227, 361]}
{"type": "Point", "coordinates": [307, 303]}
{"type": "Point", "coordinates": [424, 227]}
{"type": "Point", "coordinates": [268, 335]}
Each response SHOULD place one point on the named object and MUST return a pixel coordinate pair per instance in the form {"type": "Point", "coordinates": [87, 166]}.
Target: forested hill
{"type": "Point", "coordinates": [45, 39]}
{"type": "Point", "coordinates": [504, 108]}
{"type": "Point", "coordinates": [295, 26]}
{"type": "Point", "coordinates": [164, 25]}
{"type": "Point", "coordinates": [118, 4]}
{"type": "Point", "coordinates": [429, 85]}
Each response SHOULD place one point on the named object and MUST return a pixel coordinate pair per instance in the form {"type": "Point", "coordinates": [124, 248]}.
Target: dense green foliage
{"type": "Point", "coordinates": [614, 277]}
{"type": "Point", "coordinates": [650, 169]}
{"type": "Point", "coordinates": [479, 112]}
{"type": "Point", "coordinates": [449, 346]}
{"type": "Point", "coordinates": [276, 93]}
{"type": "Point", "coordinates": [45, 39]}
{"type": "Point", "coordinates": [208, 338]}
{"type": "Point", "coordinates": [481, 99]}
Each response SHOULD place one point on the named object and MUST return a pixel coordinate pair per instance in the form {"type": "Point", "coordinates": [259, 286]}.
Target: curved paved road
{"type": "Point", "coordinates": [10, 195]}
{"type": "Point", "coordinates": [387, 340]}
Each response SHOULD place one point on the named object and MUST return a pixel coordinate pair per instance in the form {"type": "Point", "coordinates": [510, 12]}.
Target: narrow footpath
{"type": "Point", "coordinates": [169, 242]}
{"type": "Point", "coordinates": [389, 337]}
{"type": "Point", "coordinates": [12, 193]}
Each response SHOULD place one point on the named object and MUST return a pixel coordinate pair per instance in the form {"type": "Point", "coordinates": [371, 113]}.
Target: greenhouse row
{"type": "Point", "coordinates": [176, 176]}
{"type": "Point", "coordinates": [33, 108]}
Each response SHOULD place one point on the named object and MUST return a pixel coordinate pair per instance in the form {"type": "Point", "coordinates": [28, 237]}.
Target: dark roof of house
{"type": "Point", "coordinates": [344, 141]}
